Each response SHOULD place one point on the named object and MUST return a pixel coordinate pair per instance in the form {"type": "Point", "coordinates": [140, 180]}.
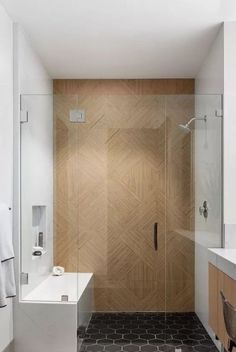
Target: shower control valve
{"type": "Point", "coordinates": [203, 210]}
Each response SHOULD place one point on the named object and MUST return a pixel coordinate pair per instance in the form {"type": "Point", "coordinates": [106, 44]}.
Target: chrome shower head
{"type": "Point", "coordinates": [186, 128]}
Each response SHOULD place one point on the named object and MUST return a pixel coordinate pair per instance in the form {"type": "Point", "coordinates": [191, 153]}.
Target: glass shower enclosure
{"type": "Point", "coordinates": [119, 204]}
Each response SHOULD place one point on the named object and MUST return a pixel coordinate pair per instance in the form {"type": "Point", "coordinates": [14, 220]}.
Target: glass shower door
{"type": "Point", "coordinates": [194, 176]}
{"type": "Point", "coordinates": [120, 157]}
{"type": "Point", "coordinates": [119, 153]}
{"type": "Point", "coordinates": [208, 163]}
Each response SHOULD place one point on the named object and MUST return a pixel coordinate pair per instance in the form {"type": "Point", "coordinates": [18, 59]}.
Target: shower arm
{"type": "Point", "coordinates": [196, 118]}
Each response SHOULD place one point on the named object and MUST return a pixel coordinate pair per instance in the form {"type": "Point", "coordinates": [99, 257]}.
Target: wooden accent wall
{"type": "Point", "coordinates": [123, 86]}
{"type": "Point", "coordinates": [127, 167]}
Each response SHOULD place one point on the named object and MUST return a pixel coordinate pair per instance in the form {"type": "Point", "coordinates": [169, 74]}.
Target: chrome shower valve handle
{"type": "Point", "coordinates": [204, 209]}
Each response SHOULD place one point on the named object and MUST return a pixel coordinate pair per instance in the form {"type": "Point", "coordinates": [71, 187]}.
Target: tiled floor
{"type": "Point", "coordinates": [146, 332]}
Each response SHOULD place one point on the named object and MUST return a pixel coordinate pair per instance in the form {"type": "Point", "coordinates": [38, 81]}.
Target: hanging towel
{"type": "Point", "coordinates": [7, 279]}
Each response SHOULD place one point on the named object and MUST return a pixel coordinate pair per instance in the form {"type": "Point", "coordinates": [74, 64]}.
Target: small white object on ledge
{"type": "Point", "coordinates": [58, 271]}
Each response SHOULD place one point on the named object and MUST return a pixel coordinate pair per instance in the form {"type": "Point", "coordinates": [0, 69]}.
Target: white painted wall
{"type": "Point", "coordinates": [210, 78]}
{"type": "Point", "coordinates": [230, 134]}
{"type": "Point", "coordinates": [6, 146]}
{"type": "Point", "coordinates": [30, 77]}
{"type": "Point", "coordinates": [208, 169]}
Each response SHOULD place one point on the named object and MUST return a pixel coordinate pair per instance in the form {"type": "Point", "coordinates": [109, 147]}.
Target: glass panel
{"type": "Point", "coordinates": [180, 210]}
{"type": "Point", "coordinates": [120, 173]}
{"type": "Point", "coordinates": [120, 153]}
{"type": "Point", "coordinates": [208, 187]}
{"type": "Point", "coordinates": [194, 176]}
{"type": "Point", "coordinates": [39, 246]}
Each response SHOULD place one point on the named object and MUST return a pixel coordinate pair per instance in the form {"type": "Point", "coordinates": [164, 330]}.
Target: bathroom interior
{"type": "Point", "coordinates": [118, 181]}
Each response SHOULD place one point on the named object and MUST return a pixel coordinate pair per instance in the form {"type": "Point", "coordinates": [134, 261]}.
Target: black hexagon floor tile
{"type": "Point", "coordinates": [179, 336]}
{"type": "Point", "coordinates": [186, 348]}
{"type": "Point", "coordinates": [113, 348]}
{"type": "Point", "coordinates": [173, 342]}
{"type": "Point", "coordinates": [148, 348]}
{"type": "Point", "coordinates": [89, 341]}
{"type": "Point", "coordinates": [201, 348]}
{"type": "Point", "coordinates": [131, 337]}
{"type": "Point", "coordinates": [147, 336]}
{"type": "Point", "coordinates": [105, 342]}
{"type": "Point", "coordinates": [94, 348]}
{"type": "Point", "coordinates": [166, 348]}
{"type": "Point", "coordinates": [196, 337]}
{"type": "Point", "coordinates": [131, 348]}
{"type": "Point", "coordinates": [156, 342]}
{"type": "Point", "coordinates": [114, 336]}
{"type": "Point", "coordinates": [190, 342]}
{"type": "Point", "coordinates": [145, 332]}
{"type": "Point", "coordinates": [140, 342]}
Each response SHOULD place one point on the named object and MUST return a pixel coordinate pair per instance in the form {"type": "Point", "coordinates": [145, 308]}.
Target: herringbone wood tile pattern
{"type": "Point", "coordinates": [127, 167]}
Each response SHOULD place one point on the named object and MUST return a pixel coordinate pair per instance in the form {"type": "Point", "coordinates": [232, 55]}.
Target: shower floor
{"type": "Point", "coordinates": [147, 332]}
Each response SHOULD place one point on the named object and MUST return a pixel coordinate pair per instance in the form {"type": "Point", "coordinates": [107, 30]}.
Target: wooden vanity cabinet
{"type": "Point", "coordinates": [218, 281]}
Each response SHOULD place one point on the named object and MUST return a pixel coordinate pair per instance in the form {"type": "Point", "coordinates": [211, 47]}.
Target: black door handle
{"type": "Point", "coordinates": [155, 235]}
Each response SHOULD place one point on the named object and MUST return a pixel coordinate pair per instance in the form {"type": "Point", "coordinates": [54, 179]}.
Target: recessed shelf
{"type": "Point", "coordinates": [39, 229]}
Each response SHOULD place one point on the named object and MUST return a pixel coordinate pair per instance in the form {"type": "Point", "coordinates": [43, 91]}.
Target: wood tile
{"type": "Point", "coordinates": [127, 167]}
{"type": "Point", "coordinates": [123, 86]}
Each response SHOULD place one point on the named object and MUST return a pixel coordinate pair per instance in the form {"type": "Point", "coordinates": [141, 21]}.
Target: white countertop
{"type": "Point", "coordinates": [224, 259]}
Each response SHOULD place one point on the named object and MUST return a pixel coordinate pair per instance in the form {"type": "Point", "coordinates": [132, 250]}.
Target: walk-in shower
{"type": "Point", "coordinates": [96, 191]}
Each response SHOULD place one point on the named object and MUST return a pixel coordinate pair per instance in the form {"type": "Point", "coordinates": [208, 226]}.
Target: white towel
{"type": "Point", "coordinates": [7, 279]}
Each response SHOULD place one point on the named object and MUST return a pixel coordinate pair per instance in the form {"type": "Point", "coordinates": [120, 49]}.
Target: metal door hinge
{"type": "Point", "coordinates": [24, 278]}
{"type": "Point", "coordinates": [64, 298]}
{"type": "Point", "coordinates": [219, 113]}
{"type": "Point", "coordinates": [24, 114]}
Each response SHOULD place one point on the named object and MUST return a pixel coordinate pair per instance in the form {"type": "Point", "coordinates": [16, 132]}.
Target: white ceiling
{"type": "Point", "coordinates": [121, 38]}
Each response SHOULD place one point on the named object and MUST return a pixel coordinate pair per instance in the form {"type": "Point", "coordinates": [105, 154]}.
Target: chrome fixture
{"type": "Point", "coordinates": [24, 278]}
{"type": "Point", "coordinates": [64, 298]}
{"type": "Point", "coordinates": [24, 114]}
{"type": "Point", "coordinates": [186, 128]}
{"type": "Point", "coordinates": [219, 113]}
{"type": "Point", "coordinates": [204, 210]}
